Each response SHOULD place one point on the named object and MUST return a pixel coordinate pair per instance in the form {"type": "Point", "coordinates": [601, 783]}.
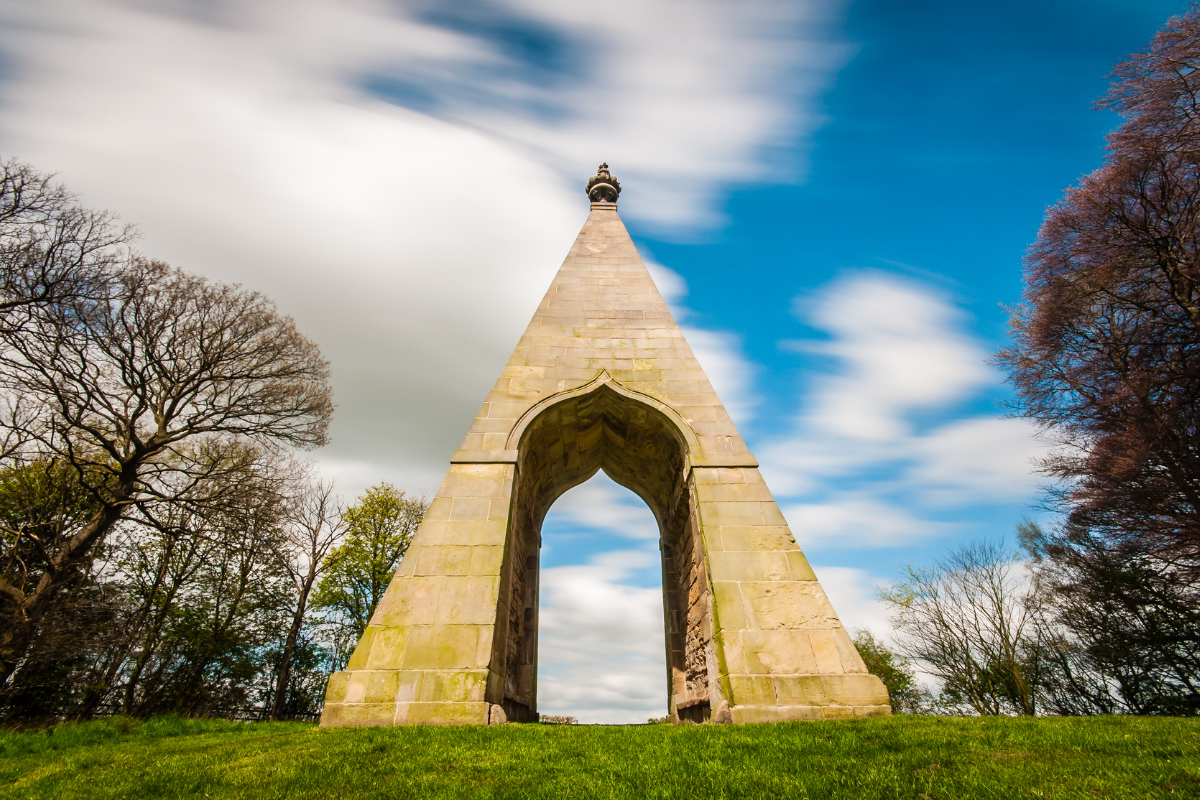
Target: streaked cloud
{"type": "Point", "coordinates": [884, 440]}
{"type": "Point", "coordinates": [411, 232]}
{"type": "Point", "coordinates": [858, 520]}
{"type": "Point", "coordinates": [684, 96]}
{"type": "Point", "coordinates": [601, 504]}
{"type": "Point", "coordinates": [899, 348]}
{"type": "Point", "coordinates": [977, 459]}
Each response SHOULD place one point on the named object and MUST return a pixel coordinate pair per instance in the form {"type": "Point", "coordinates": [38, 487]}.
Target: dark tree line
{"type": "Point", "coordinates": [1120, 627]}
{"type": "Point", "coordinates": [160, 546]}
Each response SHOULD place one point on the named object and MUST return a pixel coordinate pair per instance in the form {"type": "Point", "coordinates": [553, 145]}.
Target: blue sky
{"type": "Point", "coordinates": [949, 130]}
{"type": "Point", "coordinates": [834, 197]}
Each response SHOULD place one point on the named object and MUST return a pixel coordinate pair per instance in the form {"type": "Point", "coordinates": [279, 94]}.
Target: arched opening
{"type": "Point", "coordinates": [639, 446]}
{"type": "Point", "coordinates": [600, 615]}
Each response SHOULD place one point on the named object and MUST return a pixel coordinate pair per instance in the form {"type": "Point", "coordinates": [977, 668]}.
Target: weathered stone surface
{"type": "Point", "coordinates": [603, 379]}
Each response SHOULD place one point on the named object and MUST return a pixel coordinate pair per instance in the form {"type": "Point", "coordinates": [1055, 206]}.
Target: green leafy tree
{"type": "Point", "coordinates": [42, 503]}
{"type": "Point", "coordinates": [379, 529]}
{"type": "Point", "coordinates": [897, 674]}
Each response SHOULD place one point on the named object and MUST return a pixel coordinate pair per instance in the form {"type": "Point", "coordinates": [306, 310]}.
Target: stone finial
{"type": "Point", "coordinates": [603, 188]}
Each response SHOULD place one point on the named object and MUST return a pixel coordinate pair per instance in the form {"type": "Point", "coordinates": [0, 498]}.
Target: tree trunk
{"type": "Point", "coordinates": [289, 648]}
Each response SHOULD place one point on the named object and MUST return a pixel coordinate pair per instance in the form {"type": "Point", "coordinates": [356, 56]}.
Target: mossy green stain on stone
{"type": "Point", "coordinates": [358, 659]}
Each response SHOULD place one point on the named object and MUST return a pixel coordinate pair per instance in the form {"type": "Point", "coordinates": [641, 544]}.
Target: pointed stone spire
{"type": "Point", "coordinates": [603, 379]}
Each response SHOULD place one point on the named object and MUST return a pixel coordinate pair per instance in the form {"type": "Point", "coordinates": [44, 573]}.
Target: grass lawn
{"type": "Point", "coordinates": [901, 757]}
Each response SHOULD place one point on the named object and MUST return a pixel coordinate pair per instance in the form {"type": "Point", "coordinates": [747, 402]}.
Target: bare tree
{"type": "Point", "coordinates": [314, 527]}
{"type": "Point", "coordinates": [234, 610]}
{"type": "Point", "coordinates": [146, 392]}
{"type": "Point", "coordinates": [51, 249]}
{"type": "Point", "coordinates": [968, 620]}
{"type": "Point", "coordinates": [154, 563]}
{"type": "Point", "coordinates": [166, 559]}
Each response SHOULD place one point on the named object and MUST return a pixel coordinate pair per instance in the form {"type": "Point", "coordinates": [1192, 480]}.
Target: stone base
{"type": "Point", "coordinates": [361, 697]}
{"type": "Point", "coordinates": [388, 714]}
{"type": "Point", "coordinates": [382, 714]}
{"type": "Point", "coordinates": [750, 714]}
{"type": "Point", "coordinates": [797, 698]}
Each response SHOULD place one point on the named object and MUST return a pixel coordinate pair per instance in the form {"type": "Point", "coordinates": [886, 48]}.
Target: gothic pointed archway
{"type": "Point", "coordinates": [603, 379]}
{"type": "Point", "coordinates": [643, 449]}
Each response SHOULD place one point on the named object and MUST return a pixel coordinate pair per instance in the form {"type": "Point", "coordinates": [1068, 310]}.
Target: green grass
{"type": "Point", "coordinates": [903, 757]}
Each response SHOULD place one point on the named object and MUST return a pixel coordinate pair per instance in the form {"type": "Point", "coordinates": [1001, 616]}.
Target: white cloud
{"type": "Point", "coordinates": [857, 520]}
{"type": "Point", "coordinates": [864, 465]}
{"type": "Point", "coordinates": [255, 143]}
{"type": "Point", "coordinates": [601, 645]}
{"type": "Point", "coordinates": [601, 503]}
{"type": "Point", "coordinates": [981, 458]}
{"type": "Point", "coordinates": [899, 347]}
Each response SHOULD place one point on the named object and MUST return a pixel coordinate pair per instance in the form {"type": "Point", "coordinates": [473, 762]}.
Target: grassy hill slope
{"type": "Point", "coordinates": [902, 757]}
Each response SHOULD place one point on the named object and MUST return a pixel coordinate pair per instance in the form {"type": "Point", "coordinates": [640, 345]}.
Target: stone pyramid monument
{"type": "Point", "coordinates": [603, 379]}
